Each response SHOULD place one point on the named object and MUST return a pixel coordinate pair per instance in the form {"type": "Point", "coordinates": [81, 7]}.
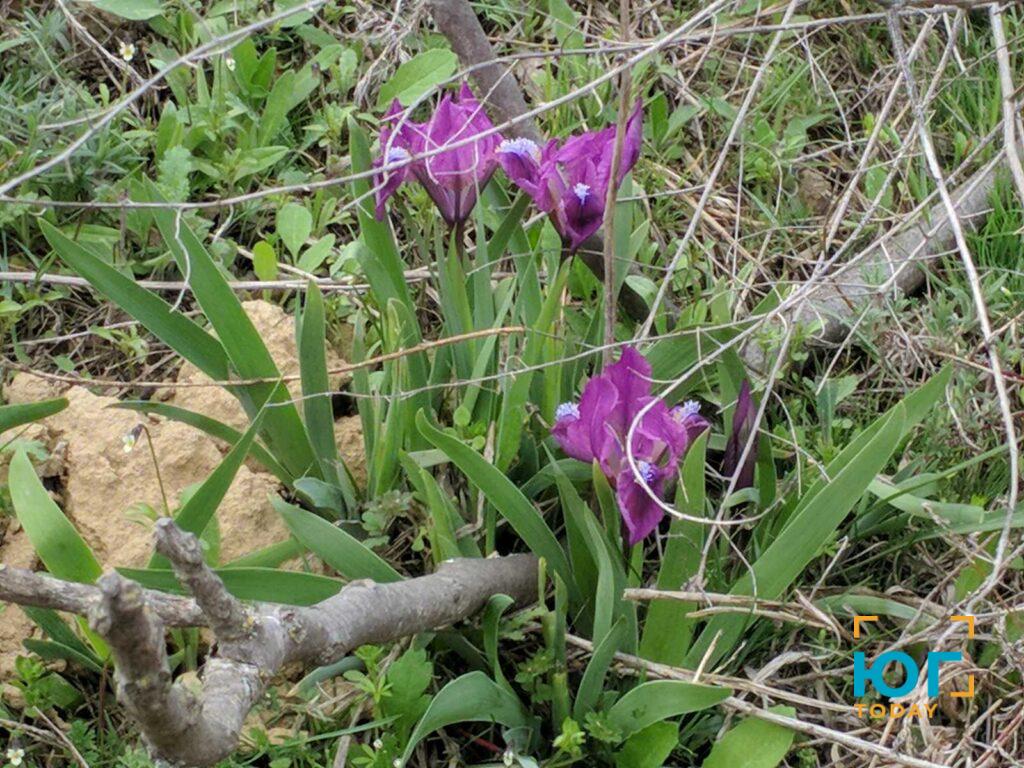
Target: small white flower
{"type": "Point", "coordinates": [130, 438]}
{"type": "Point", "coordinates": [508, 757]}
{"type": "Point", "coordinates": [378, 744]}
{"type": "Point", "coordinates": [229, 63]}
{"type": "Point", "coordinates": [126, 51]}
{"type": "Point", "coordinates": [15, 756]}
{"type": "Point", "coordinates": [397, 762]}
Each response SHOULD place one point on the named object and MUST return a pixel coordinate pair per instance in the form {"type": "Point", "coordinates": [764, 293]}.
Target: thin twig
{"type": "Point", "coordinates": [326, 284]}
{"type": "Point", "coordinates": [425, 346]}
{"type": "Point", "coordinates": [1010, 138]}
{"type": "Point", "coordinates": [978, 296]}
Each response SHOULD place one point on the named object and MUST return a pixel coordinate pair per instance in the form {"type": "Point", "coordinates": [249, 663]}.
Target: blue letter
{"type": "Point", "coordinates": [935, 660]}
{"type": "Point", "coordinates": [862, 673]}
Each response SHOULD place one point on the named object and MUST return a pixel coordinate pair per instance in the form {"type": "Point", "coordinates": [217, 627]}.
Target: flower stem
{"type": "Point", "coordinates": [460, 241]}
{"type": "Point", "coordinates": [156, 468]}
{"type": "Point", "coordinates": [610, 298]}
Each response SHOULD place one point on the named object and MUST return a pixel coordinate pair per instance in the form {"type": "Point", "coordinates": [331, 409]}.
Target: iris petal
{"type": "Point", "coordinates": [743, 419]}
{"type": "Point", "coordinates": [597, 429]}
{"type": "Point", "coordinates": [640, 513]}
{"type": "Point", "coordinates": [570, 182]}
{"type": "Point", "coordinates": [452, 177]}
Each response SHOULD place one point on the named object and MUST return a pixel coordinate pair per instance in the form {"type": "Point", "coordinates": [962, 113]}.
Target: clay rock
{"type": "Point", "coordinates": [348, 436]}
{"type": "Point", "coordinates": [32, 389]}
{"type": "Point", "coordinates": [277, 329]}
{"type": "Point", "coordinates": [101, 482]}
{"type": "Point", "coordinates": [15, 626]}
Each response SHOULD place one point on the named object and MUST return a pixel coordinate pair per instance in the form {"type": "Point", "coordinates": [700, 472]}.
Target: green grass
{"type": "Point", "coordinates": [297, 104]}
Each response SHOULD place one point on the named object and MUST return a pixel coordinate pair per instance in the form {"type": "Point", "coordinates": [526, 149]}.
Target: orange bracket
{"type": "Point", "coordinates": [857, 622]}
{"type": "Point", "coordinates": [970, 624]}
{"type": "Point", "coordinates": [968, 694]}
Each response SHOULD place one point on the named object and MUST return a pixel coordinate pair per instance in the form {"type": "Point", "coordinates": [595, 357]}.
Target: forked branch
{"type": "Point", "coordinates": [189, 728]}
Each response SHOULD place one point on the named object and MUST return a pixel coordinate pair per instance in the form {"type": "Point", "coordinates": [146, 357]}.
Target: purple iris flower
{"type": "Point", "coordinates": [451, 178]}
{"type": "Point", "coordinates": [742, 425]}
{"type": "Point", "coordinates": [596, 428]}
{"type": "Point", "coordinates": [569, 182]}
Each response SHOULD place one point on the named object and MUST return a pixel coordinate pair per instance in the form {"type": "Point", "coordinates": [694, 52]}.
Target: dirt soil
{"type": "Point", "coordinates": [277, 328]}
{"type": "Point", "coordinates": [98, 481]}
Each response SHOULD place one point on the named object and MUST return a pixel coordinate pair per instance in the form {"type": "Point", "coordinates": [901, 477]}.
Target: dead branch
{"type": "Point", "coordinates": [254, 642]}
{"type": "Point", "coordinates": [497, 87]}
{"type": "Point", "coordinates": [24, 587]}
{"type": "Point", "coordinates": [892, 266]}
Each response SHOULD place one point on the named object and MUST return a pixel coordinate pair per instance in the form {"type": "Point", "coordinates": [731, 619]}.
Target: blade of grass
{"type": "Point", "coordinates": [64, 553]}
{"type": "Point", "coordinates": [262, 584]}
{"type": "Point", "coordinates": [174, 329]}
{"type": "Point", "coordinates": [15, 415]}
{"type": "Point", "coordinates": [201, 507]}
{"type": "Point", "coordinates": [667, 633]}
{"type": "Point", "coordinates": [471, 698]}
{"type": "Point", "coordinates": [588, 694]}
{"type": "Point", "coordinates": [338, 549]}
{"type": "Point", "coordinates": [506, 498]}
{"type": "Point", "coordinates": [62, 550]}
{"type": "Point", "coordinates": [284, 431]}
{"type": "Point", "coordinates": [311, 344]}
{"type": "Point", "coordinates": [658, 700]}
{"type": "Point", "coordinates": [513, 407]}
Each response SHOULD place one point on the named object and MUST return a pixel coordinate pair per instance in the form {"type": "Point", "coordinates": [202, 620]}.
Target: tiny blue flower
{"type": "Point", "coordinates": [689, 408]}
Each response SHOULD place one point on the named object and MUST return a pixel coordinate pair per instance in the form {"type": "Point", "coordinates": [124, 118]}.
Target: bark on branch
{"type": "Point", "coordinates": [24, 587]}
{"type": "Point", "coordinates": [894, 266]}
{"type": "Point", "coordinates": [189, 728]}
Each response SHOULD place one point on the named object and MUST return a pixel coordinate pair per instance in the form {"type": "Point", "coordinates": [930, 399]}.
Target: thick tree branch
{"type": "Point", "coordinates": [227, 615]}
{"type": "Point", "coordinates": [366, 612]}
{"type": "Point", "coordinates": [24, 587]}
{"type": "Point", "coordinates": [893, 266]}
{"type": "Point", "coordinates": [496, 85]}
{"type": "Point", "coordinates": [136, 638]}
{"type": "Point", "coordinates": [254, 642]}
{"type": "Point", "coordinates": [895, 263]}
